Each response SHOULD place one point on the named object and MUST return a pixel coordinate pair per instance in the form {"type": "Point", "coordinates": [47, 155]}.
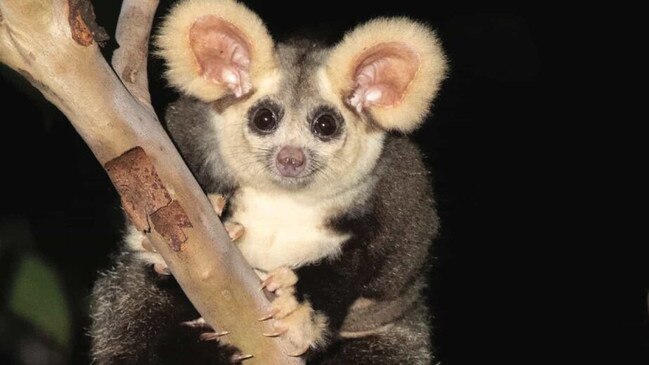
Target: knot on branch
{"type": "Point", "coordinates": [83, 24]}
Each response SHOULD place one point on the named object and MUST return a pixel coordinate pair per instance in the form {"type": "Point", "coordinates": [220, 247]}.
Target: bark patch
{"type": "Point", "coordinates": [83, 24]}
{"type": "Point", "coordinates": [169, 223]}
{"type": "Point", "coordinates": [139, 186]}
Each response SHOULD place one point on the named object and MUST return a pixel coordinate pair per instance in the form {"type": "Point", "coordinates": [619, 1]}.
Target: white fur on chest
{"type": "Point", "coordinates": [282, 230]}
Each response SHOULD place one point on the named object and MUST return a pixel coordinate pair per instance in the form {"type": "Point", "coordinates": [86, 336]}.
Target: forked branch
{"type": "Point", "coordinates": [53, 43]}
{"type": "Point", "coordinates": [132, 35]}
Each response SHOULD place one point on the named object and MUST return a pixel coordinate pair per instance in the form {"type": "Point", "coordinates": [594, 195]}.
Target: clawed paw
{"type": "Point", "coordinates": [296, 323]}
{"type": "Point", "coordinates": [201, 324]}
{"type": "Point", "coordinates": [280, 281]}
{"type": "Point", "coordinates": [235, 230]}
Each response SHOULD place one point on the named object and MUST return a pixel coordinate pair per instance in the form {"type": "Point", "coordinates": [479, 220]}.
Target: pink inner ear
{"type": "Point", "coordinates": [222, 53]}
{"type": "Point", "coordinates": [383, 74]}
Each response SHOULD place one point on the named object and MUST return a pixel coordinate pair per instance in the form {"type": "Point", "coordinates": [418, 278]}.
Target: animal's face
{"type": "Point", "coordinates": [297, 116]}
{"type": "Point", "coordinates": [293, 132]}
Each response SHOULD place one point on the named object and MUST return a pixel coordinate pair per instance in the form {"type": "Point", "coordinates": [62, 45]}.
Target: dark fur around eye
{"type": "Point", "coordinates": [326, 123]}
{"type": "Point", "coordinates": [264, 117]}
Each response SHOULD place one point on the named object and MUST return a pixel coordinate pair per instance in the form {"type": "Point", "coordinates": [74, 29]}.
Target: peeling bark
{"type": "Point", "coordinates": [83, 23]}
{"type": "Point", "coordinates": [169, 221]}
{"type": "Point", "coordinates": [139, 186]}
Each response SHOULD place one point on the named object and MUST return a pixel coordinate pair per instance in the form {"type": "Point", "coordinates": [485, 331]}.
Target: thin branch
{"type": "Point", "coordinates": [51, 44]}
{"type": "Point", "coordinates": [132, 35]}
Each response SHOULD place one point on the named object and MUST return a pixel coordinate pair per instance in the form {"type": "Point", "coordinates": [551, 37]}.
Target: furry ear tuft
{"type": "Point", "coordinates": [391, 68]}
{"type": "Point", "coordinates": [213, 48]}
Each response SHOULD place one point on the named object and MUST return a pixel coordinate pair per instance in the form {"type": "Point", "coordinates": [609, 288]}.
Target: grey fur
{"type": "Point", "coordinates": [193, 134]}
{"type": "Point", "coordinates": [136, 316]}
{"type": "Point", "coordinates": [386, 261]}
{"type": "Point", "coordinates": [406, 342]}
{"type": "Point", "coordinates": [298, 60]}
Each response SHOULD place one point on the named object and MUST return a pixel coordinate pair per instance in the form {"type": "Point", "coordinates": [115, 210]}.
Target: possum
{"type": "Point", "coordinates": [303, 149]}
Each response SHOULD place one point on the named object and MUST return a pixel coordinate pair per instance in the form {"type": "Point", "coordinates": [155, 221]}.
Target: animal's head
{"type": "Point", "coordinates": [297, 115]}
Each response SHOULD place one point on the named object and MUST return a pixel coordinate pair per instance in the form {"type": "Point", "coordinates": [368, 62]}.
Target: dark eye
{"type": "Point", "coordinates": [264, 120]}
{"type": "Point", "coordinates": [325, 125]}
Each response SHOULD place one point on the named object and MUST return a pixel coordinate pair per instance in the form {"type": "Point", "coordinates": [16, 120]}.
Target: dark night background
{"type": "Point", "coordinates": [491, 297]}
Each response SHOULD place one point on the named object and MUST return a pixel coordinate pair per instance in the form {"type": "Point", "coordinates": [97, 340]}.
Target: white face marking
{"type": "Point", "coordinates": [283, 229]}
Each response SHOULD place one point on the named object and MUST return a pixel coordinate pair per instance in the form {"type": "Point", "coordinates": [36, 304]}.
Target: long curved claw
{"type": "Point", "coordinates": [269, 285]}
{"type": "Point", "coordinates": [212, 336]}
{"type": "Point", "coordinates": [277, 332]}
{"type": "Point", "coordinates": [270, 315]}
{"type": "Point", "coordinates": [238, 358]}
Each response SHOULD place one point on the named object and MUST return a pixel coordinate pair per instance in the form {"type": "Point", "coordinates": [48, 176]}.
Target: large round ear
{"type": "Point", "coordinates": [213, 48]}
{"type": "Point", "coordinates": [391, 68]}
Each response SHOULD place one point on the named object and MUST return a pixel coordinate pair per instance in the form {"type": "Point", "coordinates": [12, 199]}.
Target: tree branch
{"type": "Point", "coordinates": [132, 34]}
{"type": "Point", "coordinates": [51, 43]}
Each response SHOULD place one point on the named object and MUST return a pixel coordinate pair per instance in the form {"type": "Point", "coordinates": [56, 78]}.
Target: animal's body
{"type": "Point", "coordinates": [300, 141]}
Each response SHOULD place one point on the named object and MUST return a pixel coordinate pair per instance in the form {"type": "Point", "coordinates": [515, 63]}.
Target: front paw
{"type": "Point", "coordinates": [296, 323]}
{"type": "Point", "coordinates": [229, 354]}
{"type": "Point", "coordinates": [234, 229]}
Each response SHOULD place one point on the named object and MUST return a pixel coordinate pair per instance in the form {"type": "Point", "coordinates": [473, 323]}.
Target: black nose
{"type": "Point", "coordinates": [290, 161]}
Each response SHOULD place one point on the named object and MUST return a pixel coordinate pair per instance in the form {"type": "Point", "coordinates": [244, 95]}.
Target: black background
{"type": "Point", "coordinates": [489, 291]}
